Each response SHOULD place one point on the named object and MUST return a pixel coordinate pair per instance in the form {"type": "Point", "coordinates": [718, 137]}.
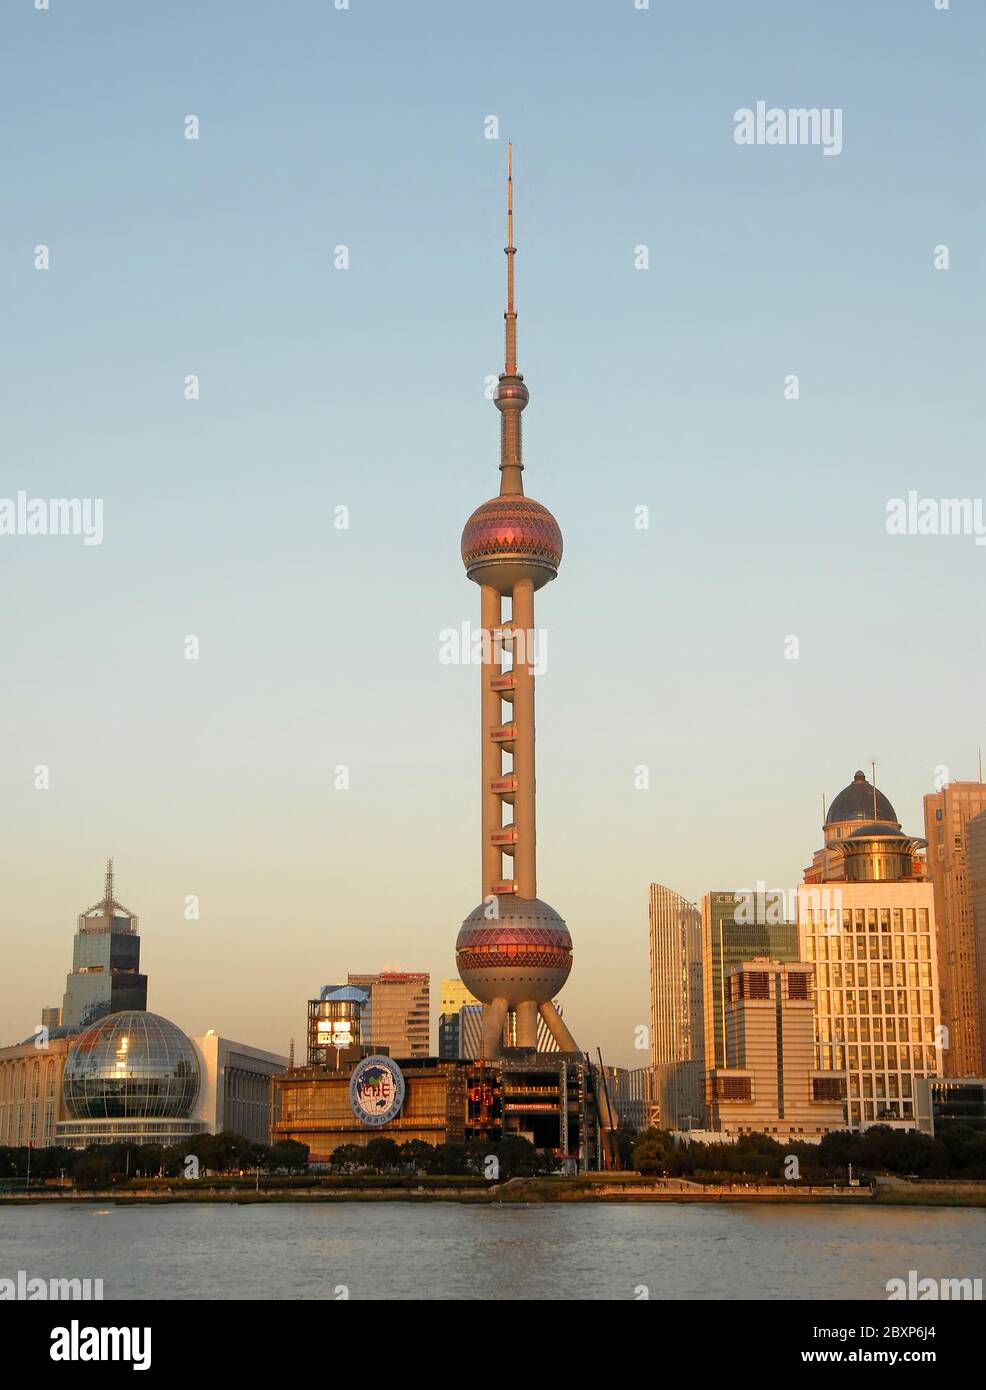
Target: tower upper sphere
{"type": "Point", "coordinates": [511, 537]}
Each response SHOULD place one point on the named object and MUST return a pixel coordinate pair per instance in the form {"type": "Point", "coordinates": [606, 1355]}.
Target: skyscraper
{"type": "Point", "coordinates": [769, 1084]}
{"type": "Point", "coordinates": [976, 842]}
{"type": "Point", "coordinates": [398, 1015]}
{"type": "Point", "coordinates": [946, 816]}
{"type": "Point", "coordinates": [858, 804]}
{"type": "Point", "coordinates": [872, 940]}
{"type": "Point", "coordinates": [514, 952]}
{"type": "Point", "coordinates": [105, 976]}
{"type": "Point", "coordinates": [677, 1038]}
{"type": "Point", "coordinates": [737, 927]}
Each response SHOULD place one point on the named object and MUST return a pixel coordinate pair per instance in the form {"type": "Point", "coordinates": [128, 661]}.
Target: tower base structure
{"type": "Point", "coordinates": [555, 1100]}
{"type": "Point", "coordinates": [525, 1028]}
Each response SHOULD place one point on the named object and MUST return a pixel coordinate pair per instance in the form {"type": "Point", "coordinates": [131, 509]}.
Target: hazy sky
{"type": "Point", "coordinates": [319, 387]}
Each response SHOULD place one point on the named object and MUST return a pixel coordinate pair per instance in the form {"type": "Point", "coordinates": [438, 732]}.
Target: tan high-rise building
{"type": "Point", "coordinates": [676, 1035]}
{"type": "Point", "coordinates": [877, 993]}
{"type": "Point", "coordinates": [859, 804]}
{"type": "Point", "coordinates": [870, 932]}
{"type": "Point", "coordinates": [398, 1016]}
{"type": "Point", "coordinates": [976, 845]}
{"type": "Point", "coordinates": [453, 995]}
{"type": "Point", "coordinates": [946, 815]}
{"type": "Point", "coordinates": [770, 1084]}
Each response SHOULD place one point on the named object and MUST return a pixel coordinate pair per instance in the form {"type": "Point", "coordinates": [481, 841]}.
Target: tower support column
{"type": "Point", "coordinates": [527, 1024]}
{"type": "Point", "coordinates": [494, 1017]}
{"type": "Point", "coordinates": [492, 758]}
{"type": "Point", "coordinates": [522, 621]}
{"type": "Point", "coordinates": [557, 1028]}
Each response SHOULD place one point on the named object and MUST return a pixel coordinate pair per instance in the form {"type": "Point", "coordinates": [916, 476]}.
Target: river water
{"type": "Point", "coordinates": [395, 1250]}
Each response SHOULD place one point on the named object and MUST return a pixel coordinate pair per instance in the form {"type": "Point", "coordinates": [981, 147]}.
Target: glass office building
{"type": "Point", "coordinates": [737, 926]}
{"type": "Point", "coordinates": [105, 977]}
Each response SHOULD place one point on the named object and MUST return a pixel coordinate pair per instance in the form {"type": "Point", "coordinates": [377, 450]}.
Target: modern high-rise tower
{"type": "Point", "coordinates": [947, 813]}
{"type": "Point", "coordinates": [869, 930]}
{"type": "Point", "coordinates": [514, 952]}
{"type": "Point", "coordinates": [105, 976]}
{"type": "Point", "coordinates": [677, 1038]}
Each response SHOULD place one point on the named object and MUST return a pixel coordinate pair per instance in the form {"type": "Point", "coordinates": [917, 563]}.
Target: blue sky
{"type": "Point", "coordinates": [365, 388]}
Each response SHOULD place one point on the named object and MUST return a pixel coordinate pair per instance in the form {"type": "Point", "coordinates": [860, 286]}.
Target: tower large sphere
{"type": "Point", "coordinates": [508, 538]}
{"type": "Point", "coordinates": [525, 952]}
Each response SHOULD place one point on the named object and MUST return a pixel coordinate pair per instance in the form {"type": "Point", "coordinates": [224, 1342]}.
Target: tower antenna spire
{"type": "Point", "coordinates": [511, 394]}
{"type": "Point", "coordinates": [510, 365]}
{"type": "Point", "coordinates": [108, 889]}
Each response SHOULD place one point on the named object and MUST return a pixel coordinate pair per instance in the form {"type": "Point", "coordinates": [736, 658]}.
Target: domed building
{"type": "Point", "coordinates": [866, 924]}
{"type": "Point", "coordinates": [860, 801]}
{"type": "Point", "coordinates": [879, 852]}
{"type": "Point", "coordinates": [131, 1076]}
{"type": "Point", "coordinates": [107, 1071]}
{"type": "Point", "coordinates": [858, 804]}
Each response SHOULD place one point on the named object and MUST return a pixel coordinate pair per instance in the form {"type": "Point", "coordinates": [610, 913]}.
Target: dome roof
{"type": "Point", "coordinates": [856, 802]}
{"type": "Point", "coordinates": [512, 527]}
{"type": "Point", "coordinates": [130, 1065]}
{"type": "Point", "coordinates": [878, 829]}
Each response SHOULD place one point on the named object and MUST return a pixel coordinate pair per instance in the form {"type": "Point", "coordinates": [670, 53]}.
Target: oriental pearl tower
{"type": "Point", "coordinates": [514, 952]}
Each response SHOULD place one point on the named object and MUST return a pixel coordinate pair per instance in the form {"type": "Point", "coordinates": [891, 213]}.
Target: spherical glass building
{"type": "Point", "coordinates": [130, 1065]}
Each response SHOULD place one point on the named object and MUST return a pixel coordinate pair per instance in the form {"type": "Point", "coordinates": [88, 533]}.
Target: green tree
{"type": "Point", "coordinates": [289, 1154]}
{"type": "Point", "coordinates": [415, 1155]}
{"type": "Point", "coordinates": [382, 1154]}
{"type": "Point", "coordinates": [518, 1158]}
{"type": "Point", "coordinates": [450, 1160]}
{"type": "Point", "coordinates": [346, 1158]}
{"type": "Point", "coordinates": [654, 1152]}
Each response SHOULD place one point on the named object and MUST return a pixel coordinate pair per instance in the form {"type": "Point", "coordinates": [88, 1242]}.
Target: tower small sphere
{"type": "Point", "coordinates": [511, 393]}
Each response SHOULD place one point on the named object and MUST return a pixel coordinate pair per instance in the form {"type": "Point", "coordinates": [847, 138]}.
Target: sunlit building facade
{"type": "Point", "coordinates": [976, 840]}
{"type": "Point", "coordinates": [770, 1084]}
{"type": "Point", "coordinates": [677, 1035]}
{"type": "Point", "coordinates": [398, 1016]}
{"type": "Point", "coordinates": [947, 815]}
{"type": "Point", "coordinates": [870, 932]}
{"type": "Point", "coordinates": [31, 1092]}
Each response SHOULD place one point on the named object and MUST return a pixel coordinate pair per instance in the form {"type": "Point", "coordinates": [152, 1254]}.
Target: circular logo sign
{"type": "Point", "coordinates": [376, 1090]}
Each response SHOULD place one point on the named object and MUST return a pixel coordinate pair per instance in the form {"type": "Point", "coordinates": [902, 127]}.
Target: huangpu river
{"type": "Point", "coordinates": [436, 1250]}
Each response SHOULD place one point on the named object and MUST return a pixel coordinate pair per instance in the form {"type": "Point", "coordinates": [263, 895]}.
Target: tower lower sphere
{"type": "Point", "coordinates": [523, 952]}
